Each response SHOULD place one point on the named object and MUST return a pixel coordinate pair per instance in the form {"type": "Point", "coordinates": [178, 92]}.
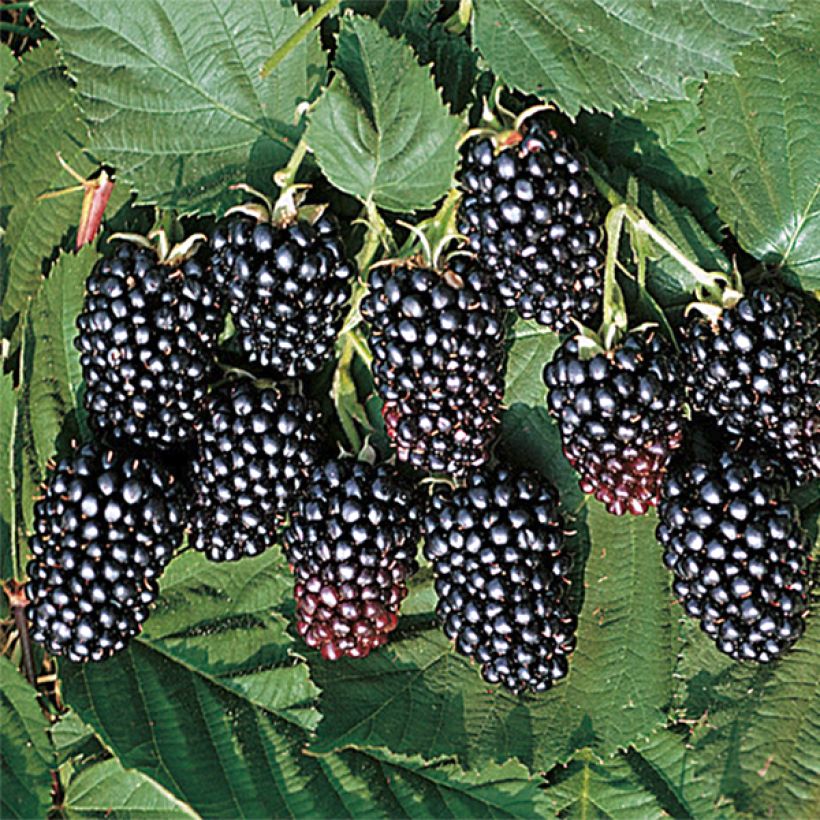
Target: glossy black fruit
{"type": "Point", "coordinates": [756, 372]}
{"type": "Point", "coordinates": [497, 548]}
{"type": "Point", "coordinates": [254, 453]}
{"type": "Point", "coordinates": [734, 541]}
{"type": "Point", "coordinates": [438, 362]}
{"type": "Point", "coordinates": [103, 532]}
{"type": "Point", "coordinates": [286, 288]}
{"type": "Point", "coordinates": [620, 414]}
{"type": "Point", "coordinates": [352, 546]}
{"type": "Point", "coordinates": [533, 217]}
{"type": "Point", "coordinates": [147, 334]}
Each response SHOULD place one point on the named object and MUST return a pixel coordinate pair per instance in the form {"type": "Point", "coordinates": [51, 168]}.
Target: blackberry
{"type": "Point", "coordinates": [734, 542]}
{"type": "Point", "coordinates": [438, 345]}
{"type": "Point", "coordinates": [756, 372]}
{"type": "Point", "coordinates": [103, 532]}
{"type": "Point", "coordinates": [497, 548]}
{"type": "Point", "coordinates": [620, 414]}
{"type": "Point", "coordinates": [352, 546]}
{"type": "Point", "coordinates": [533, 216]}
{"type": "Point", "coordinates": [255, 451]}
{"type": "Point", "coordinates": [286, 288]}
{"type": "Point", "coordinates": [147, 333]}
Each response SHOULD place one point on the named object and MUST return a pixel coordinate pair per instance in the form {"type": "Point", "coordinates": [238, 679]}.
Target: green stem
{"type": "Point", "coordinates": [615, 316]}
{"type": "Point", "coordinates": [311, 23]}
{"type": "Point", "coordinates": [285, 177]}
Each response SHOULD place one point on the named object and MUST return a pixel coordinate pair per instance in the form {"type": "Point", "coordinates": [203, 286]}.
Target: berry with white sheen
{"type": "Point", "coordinates": [103, 532]}
{"type": "Point", "coordinates": [438, 345]}
{"type": "Point", "coordinates": [533, 216]}
{"type": "Point", "coordinates": [255, 451]}
{"type": "Point", "coordinates": [286, 288]}
{"type": "Point", "coordinates": [756, 372]}
{"type": "Point", "coordinates": [733, 539]}
{"type": "Point", "coordinates": [352, 547]}
{"type": "Point", "coordinates": [620, 414]}
{"type": "Point", "coordinates": [497, 547]}
{"type": "Point", "coordinates": [147, 333]}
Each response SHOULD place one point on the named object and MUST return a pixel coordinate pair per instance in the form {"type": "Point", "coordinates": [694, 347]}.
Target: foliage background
{"type": "Point", "coordinates": [706, 115]}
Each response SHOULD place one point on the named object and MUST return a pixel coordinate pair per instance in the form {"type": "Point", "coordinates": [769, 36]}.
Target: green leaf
{"type": "Point", "coordinates": [8, 476]}
{"type": "Point", "coordinates": [764, 147]}
{"type": "Point", "coordinates": [533, 346]}
{"type": "Point", "coordinates": [604, 54]}
{"type": "Point", "coordinates": [210, 702]}
{"type": "Point", "coordinates": [27, 758]}
{"type": "Point", "coordinates": [107, 789]}
{"type": "Point", "coordinates": [400, 785]}
{"type": "Point", "coordinates": [418, 694]}
{"type": "Point", "coordinates": [42, 121]}
{"type": "Point", "coordinates": [8, 65]}
{"type": "Point", "coordinates": [380, 131]}
{"type": "Point", "coordinates": [176, 103]}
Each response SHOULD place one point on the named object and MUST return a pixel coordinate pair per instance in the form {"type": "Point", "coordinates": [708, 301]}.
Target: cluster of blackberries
{"type": "Point", "coordinates": [497, 548]}
{"type": "Point", "coordinates": [620, 416]}
{"type": "Point", "coordinates": [438, 344]}
{"type": "Point", "coordinates": [733, 540]}
{"type": "Point", "coordinates": [103, 532]}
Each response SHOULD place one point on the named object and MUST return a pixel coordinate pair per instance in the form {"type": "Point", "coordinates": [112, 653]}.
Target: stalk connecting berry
{"type": "Point", "coordinates": [740, 558]}
{"type": "Point", "coordinates": [620, 414]}
{"type": "Point", "coordinates": [255, 451]}
{"type": "Point", "coordinates": [103, 532]}
{"type": "Point", "coordinates": [147, 332]}
{"type": "Point", "coordinates": [352, 546]}
{"type": "Point", "coordinates": [756, 371]}
{"type": "Point", "coordinates": [286, 288]}
{"type": "Point", "coordinates": [497, 547]}
{"type": "Point", "coordinates": [533, 216]}
{"type": "Point", "coordinates": [438, 362]}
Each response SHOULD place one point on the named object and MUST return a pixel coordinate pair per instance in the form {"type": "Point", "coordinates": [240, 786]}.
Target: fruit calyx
{"type": "Point", "coordinates": [157, 241]}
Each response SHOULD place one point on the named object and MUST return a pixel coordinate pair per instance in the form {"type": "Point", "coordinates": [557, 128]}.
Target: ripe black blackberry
{"type": "Point", "coordinates": [103, 532]}
{"type": "Point", "coordinates": [286, 287]}
{"type": "Point", "coordinates": [620, 416]}
{"type": "Point", "coordinates": [351, 546]}
{"type": "Point", "coordinates": [733, 539]}
{"type": "Point", "coordinates": [255, 451]}
{"type": "Point", "coordinates": [438, 345]}
{"type": "Point", "coordinates": [756, 371]}
{"type": "Point", "coordinates": [533, 216]}
{"type": "Point", "coordinates": [147, 332]}
{"type": "Point", "coordinates": [497, 547]}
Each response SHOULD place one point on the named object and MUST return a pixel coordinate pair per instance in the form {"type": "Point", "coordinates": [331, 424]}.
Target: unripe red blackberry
{"type": "Point", "coordinates": [254, 453]}
{"type": "Point", "coordinates": [756, 371]}
{"type": "Point", "coordinates": [533, 216]}
{"type": "Point", "coordinates": [286, 288]}
{"type": "Point", "coordinates": [103, 532]}
{"type": "Point", "coordinates": [620, 414]}
{"type": "Point", "coordinates": [438, 345]}
{"type": "Point", "coordinates": [352, 547]}
{"type": "Point", "coordinates": [147, 334]}
{"type": "Point", "coordinates": [739, 554]}
{"type": "Point", "coordinates": [497, 548]}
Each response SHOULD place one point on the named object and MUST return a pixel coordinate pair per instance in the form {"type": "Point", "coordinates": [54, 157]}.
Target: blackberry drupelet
{"type": "Point", "coordinates": [147, 333]}
{"type": "Point", "coordinates": [620, 414]}
{"type": "Point", "coordinates": [286, 288]}
{"type": "Point", "coordinates": [438, 345]}
{"type": "Point", "coordinates": [103, 532]}
{"type": "Point", "coordinates": [733, 539]}
{"type": "Point", "coordinates": [352, 546]}
{"type": "Point", "coordinates": [255, 451]}
{"type": "Point", "coordinates": [497, 548]}
{"type": "Point", "coordinates": [756, 372]}
{"type": "Point", "coordinates": [533, 216]}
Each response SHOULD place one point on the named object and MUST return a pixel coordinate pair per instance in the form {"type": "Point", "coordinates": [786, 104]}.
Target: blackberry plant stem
{"type": "Point", "coordinates": [303, 31]}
